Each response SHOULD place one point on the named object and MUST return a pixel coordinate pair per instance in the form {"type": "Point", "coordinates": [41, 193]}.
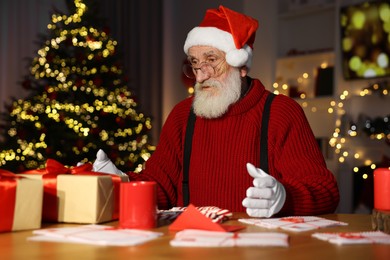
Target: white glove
{"type": "Point", "coordinates": [267, 197]}
{"type": "Point", "coordinates": [104, 165]}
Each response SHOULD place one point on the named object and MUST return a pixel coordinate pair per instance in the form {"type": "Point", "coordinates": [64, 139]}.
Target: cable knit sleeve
{"type": "Point", "coordinates": [297, 162]}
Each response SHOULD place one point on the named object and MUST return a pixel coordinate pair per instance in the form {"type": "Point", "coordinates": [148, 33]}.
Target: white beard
{"type": "Point", "coordinates": [215, 103]}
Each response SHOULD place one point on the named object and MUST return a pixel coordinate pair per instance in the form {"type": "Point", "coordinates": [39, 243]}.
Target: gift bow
{"type": "Point", "coordinates": [55, 167]}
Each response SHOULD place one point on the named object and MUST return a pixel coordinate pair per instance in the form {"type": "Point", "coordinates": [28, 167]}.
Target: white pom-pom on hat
{"type": "Point", "coordinates": [237, 58]}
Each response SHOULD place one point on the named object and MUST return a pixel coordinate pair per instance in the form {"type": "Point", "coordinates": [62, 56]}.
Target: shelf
{"type": "Point", "coordinates": [301, 72]}
{"type": "Point", "coordinates": [309, 10]}
{"type": "Point", "coordinates": [306, 59]}
{"type": "Point", "coordinates": [309, 56]}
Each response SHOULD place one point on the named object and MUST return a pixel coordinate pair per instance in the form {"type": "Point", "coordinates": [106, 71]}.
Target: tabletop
{"type": "Point", "coordinates": [14, 245]}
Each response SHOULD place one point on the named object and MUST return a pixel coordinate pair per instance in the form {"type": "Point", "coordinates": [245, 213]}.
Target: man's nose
{"type": "Point", "coordinates": [201, 75]}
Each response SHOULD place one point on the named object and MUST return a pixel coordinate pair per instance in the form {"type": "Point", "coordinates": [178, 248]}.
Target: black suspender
{"type": "Point", "coordinates": [187, 156]}
{"type": "Point", "coordinates": [264, 133]}
{"type": "Point", "coordinates": [188, 146]}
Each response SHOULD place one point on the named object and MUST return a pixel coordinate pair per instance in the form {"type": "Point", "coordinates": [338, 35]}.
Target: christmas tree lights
{"type": "Point", "coordinates": [79, 101]}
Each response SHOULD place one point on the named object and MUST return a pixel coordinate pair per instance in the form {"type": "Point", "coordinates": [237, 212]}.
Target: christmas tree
{"type": "Point", "coordinates": [79, 101]}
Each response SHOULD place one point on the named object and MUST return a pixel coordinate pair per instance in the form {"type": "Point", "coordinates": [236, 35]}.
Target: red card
{"type": "Point", "coordinates": [192, 218]}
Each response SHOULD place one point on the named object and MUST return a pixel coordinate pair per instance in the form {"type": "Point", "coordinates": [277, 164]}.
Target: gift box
{"type": "Point", "coordinates": [20, 202]}
{"type": "Point", "coordinates": [78, 195]}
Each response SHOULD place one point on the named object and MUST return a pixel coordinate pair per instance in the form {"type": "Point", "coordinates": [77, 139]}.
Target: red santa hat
{"type": "Point", "coordinates": [228, 31]}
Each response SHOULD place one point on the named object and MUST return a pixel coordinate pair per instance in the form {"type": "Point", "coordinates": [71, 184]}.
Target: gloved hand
{"type": "Point", "coordinates": [104, 165]}
{"type": "Point", "coordinates": [267, 197]}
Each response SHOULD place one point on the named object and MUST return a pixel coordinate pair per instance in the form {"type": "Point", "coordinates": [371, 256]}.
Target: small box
{"type": "Point", "coordinates": [27, 210]}
{"type": "Point", "coordinates": [85, 198]}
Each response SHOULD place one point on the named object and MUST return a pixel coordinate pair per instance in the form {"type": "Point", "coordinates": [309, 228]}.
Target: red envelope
{"type": "Point", "coordinates": [192, 218]}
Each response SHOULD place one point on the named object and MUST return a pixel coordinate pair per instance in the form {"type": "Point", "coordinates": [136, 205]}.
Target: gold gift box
{"type": "Point", "coordinates": [87, 199]}
{"type": "Point", "coordinates": [28, 204]}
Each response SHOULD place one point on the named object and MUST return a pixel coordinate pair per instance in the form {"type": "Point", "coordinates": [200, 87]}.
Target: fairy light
{"type": "Point", "coordinates": [71, 77]}
{"type": "Point", "coordinates": [338, 140]}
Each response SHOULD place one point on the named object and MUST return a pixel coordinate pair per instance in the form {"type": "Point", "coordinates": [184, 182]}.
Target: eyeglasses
{"type": "Point", "coordinates": [206, 67]}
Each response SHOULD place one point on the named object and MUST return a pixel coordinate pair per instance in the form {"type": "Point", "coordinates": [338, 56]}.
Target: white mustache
{"type": "Point", "coordinates": [208, 83]}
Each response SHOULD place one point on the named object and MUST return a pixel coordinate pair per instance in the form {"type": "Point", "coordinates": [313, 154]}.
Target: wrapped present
{"type": "Point", "coordinates": [20, 202]}
{"type": "Point", "coordinates": [77, 194]}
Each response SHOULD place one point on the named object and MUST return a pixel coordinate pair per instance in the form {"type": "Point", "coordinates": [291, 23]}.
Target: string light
{"type": "Point", "coordinates": [338, 140]}
{"type": "Point", "coordinates": [78, 92]}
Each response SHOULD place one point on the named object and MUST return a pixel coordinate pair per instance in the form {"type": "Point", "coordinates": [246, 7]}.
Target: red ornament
{"type": "Point", "coordinates": [95, 131]}
{"type": "Point", "coordinates": [80, 144]}
{"type": "Point", "coordinates": [62, 116]}
{"type": "Point", "coordinates": [52, 95]}
{"type": "Point", "coordinates": [130, 164]}
{"type": "Point", "coordinates": [48, 150]}
{"type": "Point", "coordinates": [79, 82]}
{"type": "Point", "coordinates": [22, 133]}
{"type": "Point", "coordinates": [120, 121]}
{"type": "Point", "coordinates": [97, 81]}
{"type": "Point", "coordinates": [90, 38]}
{"type": "Point", "coordinates": [113, 154]}
{"type": "Point", "coordinates": [49, 57]}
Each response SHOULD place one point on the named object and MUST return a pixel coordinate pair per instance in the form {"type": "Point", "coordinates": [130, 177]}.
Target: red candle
{"type": "Point", "coordinates": [138, 205]}
{"type": "Point", "coordinates": [382, 188]}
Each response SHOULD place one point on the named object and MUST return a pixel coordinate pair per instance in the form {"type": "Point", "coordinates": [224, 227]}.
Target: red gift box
{"type": "Point", "coordinates": [20, 202]}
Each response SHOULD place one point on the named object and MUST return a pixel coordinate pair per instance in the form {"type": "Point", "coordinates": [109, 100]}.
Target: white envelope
{"type": "Point", "coordinates": [95, 235]}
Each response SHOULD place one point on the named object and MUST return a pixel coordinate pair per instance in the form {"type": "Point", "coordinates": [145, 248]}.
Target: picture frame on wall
{"type": "Point", "coordinates": [323, 85]}
{"type": "Point", "coordinates": [302, 4]}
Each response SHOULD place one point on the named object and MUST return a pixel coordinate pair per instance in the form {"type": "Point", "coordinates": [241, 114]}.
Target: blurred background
{"type": "Point", "coordinates": [331, 56]}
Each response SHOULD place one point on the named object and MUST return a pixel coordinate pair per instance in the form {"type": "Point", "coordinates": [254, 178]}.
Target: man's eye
{"type": "Point", "coordinates": [212, 60]}
{"type": "Point", "coordinates": [193, 62]}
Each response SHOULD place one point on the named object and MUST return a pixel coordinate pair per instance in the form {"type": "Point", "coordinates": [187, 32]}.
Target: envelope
{"type": "Point", "coordinates": [192, 218]}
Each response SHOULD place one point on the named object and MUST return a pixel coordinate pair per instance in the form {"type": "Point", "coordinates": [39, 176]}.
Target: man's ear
{"type": "Point", "coordinates": [243, 71]}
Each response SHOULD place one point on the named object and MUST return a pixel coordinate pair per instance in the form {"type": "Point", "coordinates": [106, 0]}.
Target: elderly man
{"type": "Point", "coordinates": [231, 145]}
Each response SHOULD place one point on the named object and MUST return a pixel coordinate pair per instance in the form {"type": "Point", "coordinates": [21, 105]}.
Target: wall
{"type": "Point", "coordinates": [20, 22]}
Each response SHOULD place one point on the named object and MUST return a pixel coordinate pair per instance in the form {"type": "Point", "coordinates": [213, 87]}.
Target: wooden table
{"type": "Point", "coordinates": [13, 245]}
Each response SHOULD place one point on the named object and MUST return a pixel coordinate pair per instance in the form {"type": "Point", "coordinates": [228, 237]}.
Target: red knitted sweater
{"type": "Point", "coordinates": [222, 147]}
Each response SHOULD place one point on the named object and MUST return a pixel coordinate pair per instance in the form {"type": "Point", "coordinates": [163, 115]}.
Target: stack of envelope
{"type": "Point", "coordinates": [372, 237]}
{"type": "Point", "coordinates": [294, 223]}
{"type": "Point", "coordinates": [204, 238]}
{"type": "Point", "coordinates": [95, 235]}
